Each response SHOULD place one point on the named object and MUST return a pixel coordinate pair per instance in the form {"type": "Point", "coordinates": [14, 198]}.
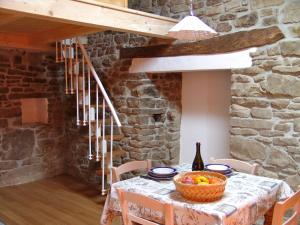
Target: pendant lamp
{"type": "Point", "coordinates": [191, 28]}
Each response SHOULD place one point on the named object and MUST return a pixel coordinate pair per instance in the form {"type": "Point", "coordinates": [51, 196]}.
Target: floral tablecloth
{"type": "Point", "coordinates": [246, 199]}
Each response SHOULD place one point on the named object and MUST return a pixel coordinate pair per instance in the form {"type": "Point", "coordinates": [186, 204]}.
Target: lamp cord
{"type": "Point", "coordinates": [191, 8]}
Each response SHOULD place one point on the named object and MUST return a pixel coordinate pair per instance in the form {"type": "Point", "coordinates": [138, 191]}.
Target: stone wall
{"type": "Point", "coordinates": [265, 110]}
{"type": "Point", "coordinates": [29, 151]}
{"type": "Point", "coordinates": [149, 107]}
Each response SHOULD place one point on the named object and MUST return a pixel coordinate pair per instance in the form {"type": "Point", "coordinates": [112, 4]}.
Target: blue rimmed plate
{"type": "Point", "coordinates": [220, 168]}
{"type": "Point", "coordinates": [163, 171]}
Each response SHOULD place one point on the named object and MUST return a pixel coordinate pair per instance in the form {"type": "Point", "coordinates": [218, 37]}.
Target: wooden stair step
{"type": "Point", "coordinates": [117, 137]}
{"type": "Point", "coordinates": [93, 123]}
{"type": "Point", "coordinates": [93, 105]}
{"type": "Point", "coordinates": [116, 153]}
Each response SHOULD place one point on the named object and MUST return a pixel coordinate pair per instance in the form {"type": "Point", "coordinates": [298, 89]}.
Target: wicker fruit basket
{"type": "Point", "coordinates": [201, 192]}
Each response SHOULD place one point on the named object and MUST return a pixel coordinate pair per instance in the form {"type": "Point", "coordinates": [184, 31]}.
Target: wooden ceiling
{"type": "Point", "coordinates": [34, 24]}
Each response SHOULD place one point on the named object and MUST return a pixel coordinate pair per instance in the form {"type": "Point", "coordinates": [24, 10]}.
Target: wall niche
{"type": "Point", "coordinates": [34, 110]}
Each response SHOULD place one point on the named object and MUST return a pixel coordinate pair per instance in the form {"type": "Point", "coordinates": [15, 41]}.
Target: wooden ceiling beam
{"type": "Point", "coordinates": [9, 19]}
{"type": "Point", "coordinates": [61, 33]}
{"type": "Point", "coordinates": [22, 42]}
{"type": "Point", "coordinates": [92, 14]}
{"type": "Point", "coordinates": [221, 44]}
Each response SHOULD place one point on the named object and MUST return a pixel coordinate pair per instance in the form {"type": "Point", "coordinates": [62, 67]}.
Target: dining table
{"type": "Point", "coordinates": [246, 199]}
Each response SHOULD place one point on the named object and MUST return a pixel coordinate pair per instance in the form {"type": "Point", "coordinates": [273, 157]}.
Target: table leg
{"type": "Point", "coordinates": [107, 215]}
{"type": "Point", "coordinates": [269, 216]}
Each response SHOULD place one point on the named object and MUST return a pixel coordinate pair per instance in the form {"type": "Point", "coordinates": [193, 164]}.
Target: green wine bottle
{"type": "Point", "coordinates": [198, 162]}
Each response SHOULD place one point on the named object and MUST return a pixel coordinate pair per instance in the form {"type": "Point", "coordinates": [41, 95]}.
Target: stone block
{"type": "Point", "coordinates": [239, 78]}
{"type": "Point", "coordinates": [23, 175]}
{"type": "Point", "coordinates": [147, 91]}
{"type": "Point", "coordinates": [285, 141]}
{"type": "Point", "coordinates": [274, 50]}
{"type": "Point", "coordinates": [213, 2]}
{"type": "Point", "coordinates": [223, 27]}
{"type": "Point", "coordinates": [245, 149]}
{"type": "Point", "coordinates": [159, 155]}
{"type": "Point", "coordinates": [280, 103]}
{"type": "Point", "coordinates": [233, 5]}
{"type": "Point", "coordinates": [248, 20]}
{"type": "Point", "coordinates": [268, 173]}
{"type": "Point", "coordinates": [250, 102]}
{"type": "Point", "coordinates": [179, 8]}
{"type": "Point", "coordinates": [258, 78]}
{"type": "Point", "coordinates": [291, 12]}
{"type": "Point", "coordinates": [287, 115]}
{"type": "Point", "coordinates": [252, 123]}
{"type": "Point", "coordinates": [254, 70]}
{"type": "Point", "coordinates": [264, 140]}
{"type": "Point", "coordinates": [3, 123]}
{"type": "Point", "coordinates": [261, 113]}
{"type": "Point", "coordinates": [293, 150]}
{"type": "Point", "coordinates": [271, 133]}
{"type": "Point", "coordinates": [295, 30]}
{"type": "Point", "coordinates": [8, 165]}
{"type": "Point", "coordinates": [18, 144]}
{"type": "Point", "coordinates": [293, 181]}
{"type": "Point", "coordinates": [269, 21]}
{"type": "Point", "coordinates": [266, 12]}
{"type": "Point", "coordinates": [290, 48]}
{"type": "Point", "coordinates": [10, 112]}
{"type": "Point", "coordinates": [239, 111]}
{"type": "Point", "coordinates": [296, 100]}
{"type": "Point", "coordinates": [297, 125]}
{"type": "Point", "coordinates": [283, 127]}
{"type": "Point", "coordinates": [258, 4]}
{"type": "Point", "coordinates": [245, 89]}
{"type": "Point", "coordinates": [283, 85]}
{"type": "Point", "coordinates": [293, 70]}
{"type": "Point", "coordinates": [214, 10]}
{"type": "Point", "coordinates": [278, 158]}
{"type": "Point", "coordinates": [294, 106]}
{"type": "Point", "coordinates": [243, 131]}
{"type": "Point", "coordinates": [227, 17]}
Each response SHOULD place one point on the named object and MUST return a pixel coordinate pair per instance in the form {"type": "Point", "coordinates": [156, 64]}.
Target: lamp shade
{"type": "Point", "coordinates": [191, 28]}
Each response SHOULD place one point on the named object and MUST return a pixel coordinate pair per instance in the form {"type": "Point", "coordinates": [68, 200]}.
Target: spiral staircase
{"type": "Point", "coordinates": [94, 109]}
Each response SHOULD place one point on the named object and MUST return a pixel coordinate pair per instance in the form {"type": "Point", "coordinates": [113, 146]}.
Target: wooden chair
{"type": "Point", "coordinates": [128, 167]}
{"type": "Point", "coordinates": [150, 203]}
{"type": "Point", "coordinates": [237, 165]}
{"type": "Point", "coordinates": [281, 208]}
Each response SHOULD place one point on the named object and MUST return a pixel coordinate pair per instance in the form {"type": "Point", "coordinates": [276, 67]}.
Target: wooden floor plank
{"type": "Point", "coordinates": [56, 201]}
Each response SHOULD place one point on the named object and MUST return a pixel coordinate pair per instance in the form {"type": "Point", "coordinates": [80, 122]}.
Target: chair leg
{"type": "Point", "coordinates": [269, 216]}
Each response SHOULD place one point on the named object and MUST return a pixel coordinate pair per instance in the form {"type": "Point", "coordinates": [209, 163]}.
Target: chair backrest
{"type": "Point", "coordinates": [128, 167]}
{"type": "Point", "coordinates": [281, 208]}
{"type": "Point", "coordinates": [149, 203]}
{"type": "Point", "coordinates": [237, 165]}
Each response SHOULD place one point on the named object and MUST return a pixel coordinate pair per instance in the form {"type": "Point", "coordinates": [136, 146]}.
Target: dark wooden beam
{"type": "Point", "coordinates": [221, 44]}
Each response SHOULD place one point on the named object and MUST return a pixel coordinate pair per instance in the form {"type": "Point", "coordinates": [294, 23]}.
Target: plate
{"type": "Point", "coordinates": [162, 176]}
{"type": "Point", "coordinates": [162, 171]}
{"type": "Point", "coordinates": [218, 167]}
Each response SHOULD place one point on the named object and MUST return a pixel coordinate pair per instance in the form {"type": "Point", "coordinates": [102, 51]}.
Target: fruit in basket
{"type": "Point", "coordinates": [187, 180]}
{"type": "Point", "coordinates": [214, 180]}
{"type": "Point", "coordinates": [201, 180]}
{"type": "Point", "coordinates": [202, 192]}
{"type": "Point", "coordinates": [195, 180]}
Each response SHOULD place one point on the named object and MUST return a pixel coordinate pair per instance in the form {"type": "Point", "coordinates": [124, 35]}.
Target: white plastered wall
{"type": "Point", "coordinates": [205, 114]}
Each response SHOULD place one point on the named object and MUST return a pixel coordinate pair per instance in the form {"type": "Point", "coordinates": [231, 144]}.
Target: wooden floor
{"type": "Point", "coordinates": [56, 201]}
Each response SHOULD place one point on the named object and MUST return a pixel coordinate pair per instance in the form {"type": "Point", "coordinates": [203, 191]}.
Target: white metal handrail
{"type": "Point", "coordinates": [101, 87]}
